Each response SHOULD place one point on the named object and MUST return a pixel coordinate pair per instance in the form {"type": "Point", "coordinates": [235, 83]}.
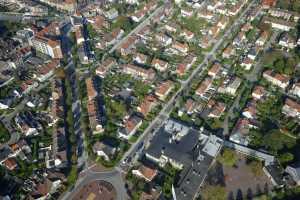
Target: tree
{"type": "Point", "coordinates": [270, 108]}
{"type": "Point", "coordinates": [275, 141]}
{"type": "Point", "coordinates": [256, 138]}
{"type": "Point", "coordinates": [4, 134]}
{"type": "Point", "coordinates": [289, 66]}
{"type": "Point", "coordinates": [286, 158]}
{"type": "Point", "coordinates": [167, 186]}
{"type": "Point", "coordinates": [256, 168]}
{"type": "Point", "coordinates": [214, 193]}
{"type": "Point", "coordinates": [279, 65]}
{"type": "Point", "coordinates": [228, 158]}
{"type": "Point", "coordinates": [92, 33]}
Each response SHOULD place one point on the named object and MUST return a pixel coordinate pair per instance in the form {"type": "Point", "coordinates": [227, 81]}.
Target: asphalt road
{"type": "Point", "coordinates": [137, 29]}
{"type": "Point", "coordinates": [113, 177]}
{"type": "Point", "coordinates": [252, 77]}
{"type": "Point", "coordinates": [165, 112]}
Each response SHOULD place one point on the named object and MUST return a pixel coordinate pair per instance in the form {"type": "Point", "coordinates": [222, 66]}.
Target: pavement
{"type": "Point", "coordinates": [113, 177]}
{"type": "Point", "coordinates": [252, 77]}
{"type": "Point", "coordinates": [137, 29]}
{"type": "Point", "coordinates": [168, 107]}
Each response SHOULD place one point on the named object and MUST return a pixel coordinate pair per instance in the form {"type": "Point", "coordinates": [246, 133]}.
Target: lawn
{"type": "Point", "coordinates": [241, 177]}
{"type": "Point", "coordinates": [4, 134]}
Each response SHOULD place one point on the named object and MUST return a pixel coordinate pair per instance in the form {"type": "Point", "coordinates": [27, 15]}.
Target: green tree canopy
{"type": "Point", "coordinates": [214, 193]}
{"type": "Point", "coordinates": [227, 157]}
{"type": "Point", "coordinates": [275, 141]}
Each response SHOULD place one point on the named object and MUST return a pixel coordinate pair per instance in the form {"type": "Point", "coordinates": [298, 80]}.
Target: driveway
{"type": "Point", "coordinates": [113, 177]}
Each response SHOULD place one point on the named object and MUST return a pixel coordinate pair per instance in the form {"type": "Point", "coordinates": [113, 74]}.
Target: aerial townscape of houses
{"type": "Point", "coordinates": [149, 100]}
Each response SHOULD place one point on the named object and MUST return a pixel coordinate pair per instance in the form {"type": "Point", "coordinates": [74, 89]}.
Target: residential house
{"type": "Point", "coordinates": [111, 38]}
{"type": "Point", "coordinates": [95, 116]}
{"type": "Point", "coordinates": [266, 4]}
{"type": "Point", "coordinates": [215, 70]}
{"type": "Point", "coordinates": [164, 39]}
{"type": "Point", "coordinates": [286, 40]}
{"type": "Point", "coordinates": [140, 58]}
{"type": "Point", "coordinates": [295, 90]}
{"type": "Point", "coordinates": [291, 108]}
{"type": "Point", "coordinates": [190, 106]}
{"type": "Point", "coordinates": [111, 14]}
{"type": "Point", "coordinates": [247, 63]}
{"type": "Point", "coordinates": [206, 14]}
{"type": "Point", "coordinates": [130, 127]}
{"type": "Point", "coordinates": [250, 110]}
{"type": "Point", "coordinates": [79, 36]}
{"type": "Point", "coordinates": [139, 72]}
{"type": "Point", "coordinates": [145, 173]}
{"type": "Point", "coordinates": [280, 13]}
{"type": "Point", "coordinates": [188, 35]}
{"type": "Point", "coordinates": [171, 27]}
{"type": "Point", "coordinates": [147, 105]}
{"type": "Point", "coordinates": [239, 39]}
{"type": "Point", "coordinates": [187, 63]}
{"type": "Point", "coordinates": [10, 164]}
{"type": "Point", "coordinates": [280, 24]}
{"type": "Point", "coordinates": [164, 89]}
{"type": "Point", "coordinates": [99, 23]}
{"type": "Point", "coordinates": [214, 31]}
{"type": "Point", "coordinates": [180, 47]}
{"type": "Point", "coordinates": [253, 52]}
{"type": "Point", "coordinates": [186, 12]}
{"type": "Point", "coordinates": [216, 109]}
{"type": "Point", "coordinates": [262, 38]}
{"type": "Point", "coordinates": [246, 27]}
{"type": "Point", "coordinates": [47, 70]}
{"type": "Point", "coordinates": [159, 65]}
{"type": "Point", "coordinates": [64, 5]}
{"type": "Point", "coordinates": [222, 23]}
{"type": "Point", "coordinates": [104, 150]}
{"type": "Point", "coordinates": [91, 90]}
{"type": "Point", "coordinates": [27, 86]}
{"type": "Point", "coordinates": [276, 79]}
{"type": "Point", "coordinates": [213, 5]}
{"type": "Point", "coordinates": [204, 87]}
{"type": "Point", "coordinates": [104, 67]}
{"type": "Point", "coordinates": [294, 172]}
{"type": "Point", "coordinates": [127, 46]}
{"type": "Point", "coordinates": [222, 10]}
{"type": "Point", "coordinates": [230, 85]}
{"type": "Point", "coordinates": [138, 16]}
{"type": "Point", "coordinates": [205, 42]}
{"type": "Point", "coordinates": [47, 46]}
{"type": "Point", "coordinates": [228, 52]}
{"type": "Point", "coordinates": [240, 133]}
{"type": "Point", "coordinates": [234, 10]}
{"type": "Point", "coordinates": [258, 92]}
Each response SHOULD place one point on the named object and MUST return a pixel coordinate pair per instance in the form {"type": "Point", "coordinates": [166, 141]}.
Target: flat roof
{"type": "Point", "coordinates": [194, 149]}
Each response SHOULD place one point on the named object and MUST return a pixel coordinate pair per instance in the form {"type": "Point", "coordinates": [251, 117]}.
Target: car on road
{"type": "Point", "coordinates": [140, 146]}
{"type": "Point", "coordinates": [127, 160]}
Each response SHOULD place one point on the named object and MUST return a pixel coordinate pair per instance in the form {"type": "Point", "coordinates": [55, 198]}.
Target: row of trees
{"type": "Point", "coordinates": [71, 137]}
{"type": "Point", "coordinates": [270, 135]}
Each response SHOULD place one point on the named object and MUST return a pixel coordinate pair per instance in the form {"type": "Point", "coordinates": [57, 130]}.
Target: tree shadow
{"type": "Point", "coordinates": [258, 190]}
{"type": "Point", "coordinates": [216, 175]}
{"type": "Point", "coordinates": [266, 188]}
{"type": "Point", "coordinates": [230, 196]}
{"type": "Point", "coordinates": [239, 195]}
{"type": "Point", "coordinates": [249, 194]}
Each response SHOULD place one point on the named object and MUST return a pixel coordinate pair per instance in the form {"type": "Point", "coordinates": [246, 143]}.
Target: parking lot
{"type": "Point", "coordinates": [240, 180]}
